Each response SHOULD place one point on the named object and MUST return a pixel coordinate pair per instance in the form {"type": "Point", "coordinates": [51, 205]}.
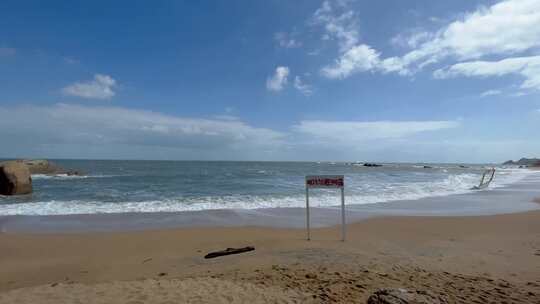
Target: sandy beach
{"type": "Point", "coordinates": [316, 151]}
{"type": "Point", "coordinates": [484, 259]}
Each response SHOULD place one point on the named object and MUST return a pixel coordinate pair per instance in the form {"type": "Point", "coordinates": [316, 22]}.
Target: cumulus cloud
{"type": "Point", "coordinates": [339, 22]}
{"type": "Point", "coordinates": [360, 58]}
{"type": "Point", "coordinates": [528, 67]}
{"type": "Point", "coordinates": [490, 93]}
{"type": "Point", "coordinates": [101, 87]}
{"type": "Point", "coordinates": [285, 40]}
{"type": "Point", "coordinates": [352, 132]}
{"type": "Point", "coordinates": [279, 80]}
{"type": "Point", "coordinates": [506, 28]}
{"type": "Point", "coordinates": [6, 51]}
{"type": "Point", "coordinates": [363, 58]}
{"type": "Point", "coordinates": [102, 126]}
{"type": "Point", "coordinates": [304, 88]}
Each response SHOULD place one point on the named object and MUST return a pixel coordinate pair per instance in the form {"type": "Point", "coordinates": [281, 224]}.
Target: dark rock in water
{"type": "Point", "coordinates": [15, 178]}
{"type": "Point", "coordinates": [403, 296]}
{"type": "Point", "coordinates": [428, 167]}
{"type": "Point", "coordinates": [371, 165]}
{"type": "Point", "coordinates": [73, 173]}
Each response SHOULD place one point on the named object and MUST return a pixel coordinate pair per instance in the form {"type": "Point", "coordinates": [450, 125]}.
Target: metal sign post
{"type": "Point", "coordinates": [326, 181]}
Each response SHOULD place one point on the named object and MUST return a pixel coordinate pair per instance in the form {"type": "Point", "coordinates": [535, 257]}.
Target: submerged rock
{"type": "Point", "coordinates": [372, 165]}
{"type": "Point", "coordinates": [403, 296]}
{"type": "Point", "coordinates": [15, 178]}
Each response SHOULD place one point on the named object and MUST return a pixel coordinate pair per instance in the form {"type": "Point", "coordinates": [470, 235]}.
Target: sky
{"type": "Point", "coordinates": [336, 80]}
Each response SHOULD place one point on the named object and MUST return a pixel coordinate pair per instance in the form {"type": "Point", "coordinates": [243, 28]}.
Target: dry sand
{"type": "Point", "coordinates": [489, 259]}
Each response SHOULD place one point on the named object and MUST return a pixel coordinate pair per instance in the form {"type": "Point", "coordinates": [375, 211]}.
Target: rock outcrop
{"type": "Point", "coordinates": [372, 165]}
{"type": "Point", "coordinates": [42, 166]}
{"type": "Point", "coordinates": [403, 296]}
{"type": "Point", "coordinates": [528, 162]}
{"type": "Point", "coordinates": [15, 178]}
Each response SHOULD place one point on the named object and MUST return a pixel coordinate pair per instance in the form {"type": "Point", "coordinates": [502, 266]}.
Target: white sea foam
{"type": "Point", "coordinates": [506, 176]}
{"type": "Point", "coordinates": [57, 176]}
{"type": "Point", "coordinates": [65, 176]}
{"type": "Point", "coordinates": [373, 193]}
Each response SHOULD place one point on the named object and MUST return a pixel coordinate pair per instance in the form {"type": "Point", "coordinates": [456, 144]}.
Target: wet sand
{"type": "Point", "coordinates": [483, 259]}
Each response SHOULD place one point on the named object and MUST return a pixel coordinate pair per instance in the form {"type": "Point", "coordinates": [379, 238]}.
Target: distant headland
{"type": "Point", "coordinates": [527, 162]}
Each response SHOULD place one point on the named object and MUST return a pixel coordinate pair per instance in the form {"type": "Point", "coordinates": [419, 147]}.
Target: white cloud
{"type": "Point", "coordinates": [285, 40]}
{"type": "Point", "coordinates": [339, 23]}
{"type": "Point", "coordinates": [490, 93]}
{"type": "Point", "coordinates": [528, 67]}
{"type": "Point", "coordinates": [83, 125]}
{"type": "Point", "coordinates": [360, 58]}
{"type": "Point", "coordinates": [6, 51]}
{"type": "Point", "coordinates": [412, 39]}
{"type": "Point", "coordinates": [506, 28]}
{"type": "Point", "coordinates": [64, 130]}
{"type": "Point", "coordinates": [518, 94]}
{"type": "Point", "coordinates": [279, 80]}
{"type": "Point", "coordinates": [100, 88]}
{"type": "Point", "coordinates": [353, 132]}
{"type": "Point", "coordinates": [304, 88]}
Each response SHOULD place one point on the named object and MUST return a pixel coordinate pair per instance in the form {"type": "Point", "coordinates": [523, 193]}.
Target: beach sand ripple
{"type": "Point", "coordinates": [199, 290]}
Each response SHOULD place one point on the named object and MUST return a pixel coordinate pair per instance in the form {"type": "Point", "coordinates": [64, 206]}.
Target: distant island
{"type": "Point", "coordinates": [528, 162]}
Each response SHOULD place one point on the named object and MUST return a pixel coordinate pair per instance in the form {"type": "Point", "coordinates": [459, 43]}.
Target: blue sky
{"type": "Point", "coordinates": [434, 81]}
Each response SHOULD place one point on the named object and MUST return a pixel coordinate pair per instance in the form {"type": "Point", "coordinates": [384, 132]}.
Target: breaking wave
{"type": "Point", "coordinates": [357, 192]}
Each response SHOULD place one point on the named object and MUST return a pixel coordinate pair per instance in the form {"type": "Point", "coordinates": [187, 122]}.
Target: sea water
{"type": "Point", "coordinates": [175, 186]}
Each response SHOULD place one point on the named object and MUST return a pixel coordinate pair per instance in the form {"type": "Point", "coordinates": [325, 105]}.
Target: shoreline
{"type": "Point", "coordinates": [485, 202]}
{"type": "Point", "coordinates": [120, 189]}
{"type": "Point", "coordinates": [445, 255]}
{"type": "Point", "coordinates": [463, 257]}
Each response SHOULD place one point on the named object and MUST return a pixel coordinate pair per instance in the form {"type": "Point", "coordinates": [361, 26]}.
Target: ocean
{"type": "Point", "coordinates": [175, 186]}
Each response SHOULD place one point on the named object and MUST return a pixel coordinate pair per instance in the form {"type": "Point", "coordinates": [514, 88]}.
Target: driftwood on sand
{"type": "Point", "coordinates": [228, 251]}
